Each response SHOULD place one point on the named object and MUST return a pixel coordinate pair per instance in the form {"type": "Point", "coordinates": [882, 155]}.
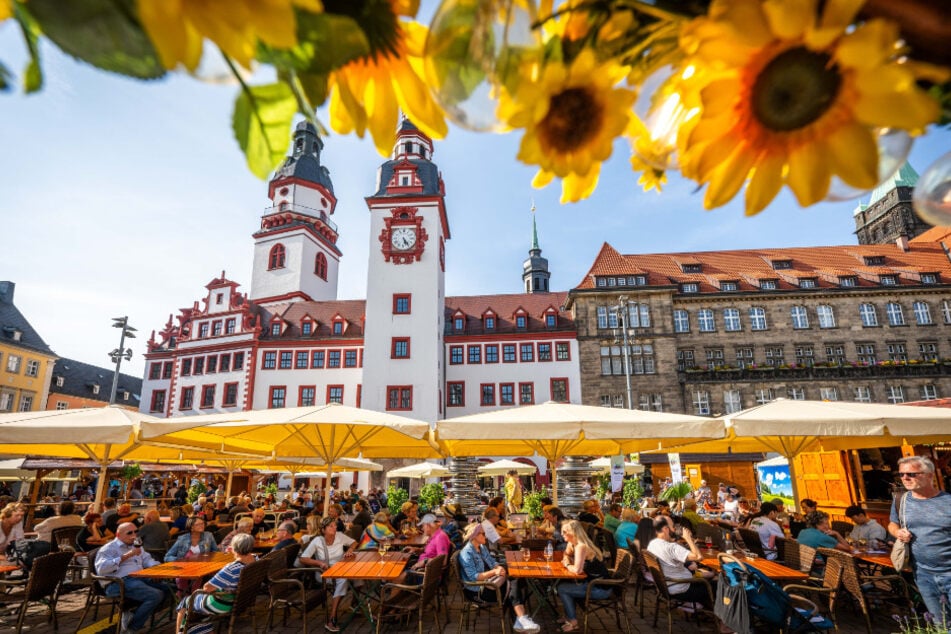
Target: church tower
{"type": "Point", "coordinates": [535, 273]}
{"type": "Point", "coordinates": [295, 250]}
{"type": "Point", "coordinates": [889, 214]}
{"type": "Point", "coordinates": [406, 292]}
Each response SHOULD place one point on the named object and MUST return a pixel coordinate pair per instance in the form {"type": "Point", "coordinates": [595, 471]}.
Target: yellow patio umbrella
{"type": "Point", "coordinates": [327, 432]}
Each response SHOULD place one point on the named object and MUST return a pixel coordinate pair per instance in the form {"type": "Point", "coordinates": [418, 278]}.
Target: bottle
{"type": "Point", "coordinates": [728, 544]}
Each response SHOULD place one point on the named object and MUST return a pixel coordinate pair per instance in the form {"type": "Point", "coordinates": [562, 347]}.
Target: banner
{"type": "Point", "coordinates": [617, 473]}
{"type": "Point", "coordinates": [676, 472]}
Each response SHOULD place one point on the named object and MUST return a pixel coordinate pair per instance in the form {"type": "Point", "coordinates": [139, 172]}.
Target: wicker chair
{"type": "Point", "coordinates": [617, 582]}
{"type": "Point", "coordinates": [97, 593]}
{"type": "Point", "coordinates": [604, 540]}
{"type": "Point", "coordinates": [477, 605]}
{"type": "Point", "coordinates": [795, 555]}
{"type": "Point", "coordinates": [864, 589]}
{"type": "Point", "coordinates": [64, 539]}
{"type": "Point", "coordinates": [828, 588]}
{"type": "Point", "coordinates": [41, 586]}
{"type": "Point", "coordinates": [715, 533]}
{"type": "Point", "coordinates": [842, 527]}
{"type": "Point", "coordinates": [751, 541]}
{"type": "Point", "coordinates": [642, 578]}
{"type": "Point", "coordinates": [286, 591]}
{"type": "Point", "coordinates": [663, 591]}
{"type": "Point", "coordinates": [245, 596]}
{"type": "Point", "coordinates": [413, 598]}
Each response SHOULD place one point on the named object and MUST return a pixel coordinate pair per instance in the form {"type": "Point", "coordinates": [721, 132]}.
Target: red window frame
{"type": "Point", "coordinates": [226, 390]}
{"type": "Point", "coordinates": [318, 354]}
{"type": "Point", "coordinates": [237, 361]}
{"type": "Point", "coordinates": [216, 328]}
{"type": "Point", "coordinates": [269, 356]}
{"type": "Point", "coordinates": [205, 391]}
{"type": "Point", "coordinates": [320, 266]}
{"type": "Point", "coordinates": [394, 343]}
{"type": "Point", "coordinates": [551, 389]}
{"type": "Point", "coordinates": [271, 393]}
{"type": "Point", "coordinates": [482, 400]}
{"type": "Point", "coordinates": [334, 387]}
{"type": "Point", "coordinates": [157, 403]}
{"type": "Point", "coordinates": [186, 367]}
{"type": "Point", "coordinates": [567, 345]}
{"type": "Point", "coordinates": [224, 363]}
{"type": "Point", "coordinates": [531, 386]}
{"type": "Point", "coordinates": [188, 398]}
{"type": "Point", "coordinates": [199, 366]}
{"type": "Point", "coordinates": [300, 395]}
{"type": "Point", "coordinates": [299, 356]}
{"type": "Point", "coordinates": [524, 348]}
{"type": "Point", "coordinates": [514, 349]}
{"type": "Point", "coordinates": [462, 393]}
{"type": "Point", "coordinates": [348, 354]}
{"type": "Point", "coordinates": [397, 297]}
{"type": "Point", "coordinates": [542, 344]}
{"type": "Point", "coordinates": [495, 347]}
{"type": "Point", "coordinates": [478, 350]}
{"type": "Point", "coordinates": [502, 400]}
{"type": "Point", "coordinates": [230, 326]}
{"type": "Point", "coordinates": [399, 392]}
{"type": "Point", "coordinates": [276, 257]}
{"type": "Point", "coordinates": [211, 364]}
{"type": "Point", "coordinates": [333, 358]}
{"type": "Point", "coordinates": [155, 371]}
{"type": "Point", "coordinates": [287, 355]}
{"type": "Point", "coordinates": [167, 369]}
{"type": "Point", "coordinates": [452, 353]}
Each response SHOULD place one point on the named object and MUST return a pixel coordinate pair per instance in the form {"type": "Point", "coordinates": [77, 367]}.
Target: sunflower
{"type": "Point", "coordinates": [571, 117]}
{"type": "Point", "coordinates": [177, 27]}
{"type": "Point", "coordinates": [369, 92]}
{"type": "Point", "coordinates": [791, 96]}
{"type": "Point", "coordinates": [6, 9]}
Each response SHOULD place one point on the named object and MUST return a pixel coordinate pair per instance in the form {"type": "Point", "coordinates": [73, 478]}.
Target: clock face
{"type": "Point", "coordinates": [403, 238]}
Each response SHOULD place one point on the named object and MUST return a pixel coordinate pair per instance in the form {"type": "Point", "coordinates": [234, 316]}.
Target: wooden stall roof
{"type": "Point", "coordinates": [32, 462]}
{"type": "Point", "coordinates": [661, 458]}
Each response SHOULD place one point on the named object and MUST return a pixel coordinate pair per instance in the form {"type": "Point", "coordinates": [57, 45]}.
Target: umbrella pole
{"type": "Point", "coordinates": [795, 484]}
{"type": "Point", "coordinates": [330, 486]}
{"type": "Point", "coordinates": [101, 483]}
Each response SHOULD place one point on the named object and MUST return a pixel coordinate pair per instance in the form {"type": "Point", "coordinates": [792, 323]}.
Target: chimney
{"type": "Point", "coordinates": [6, 292]}
{"type": "Point", "coordinates": [902, 242]}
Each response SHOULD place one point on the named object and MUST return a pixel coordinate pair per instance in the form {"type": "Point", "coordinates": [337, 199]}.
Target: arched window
{"type": "Point", "coordinates": [275, 259]}
{"type": "Point", "coordinates": [320, 266]}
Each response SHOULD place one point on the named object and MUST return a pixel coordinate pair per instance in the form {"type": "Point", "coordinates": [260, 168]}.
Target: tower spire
{"type": "Point", "coordinates": [534, 230]}
{"type": "Point", "coordinates": [535, 275]}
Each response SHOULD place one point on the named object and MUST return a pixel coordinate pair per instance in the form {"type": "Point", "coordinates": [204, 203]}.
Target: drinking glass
{"type": "Point", "coordinates": [548, 556]}
{"type": "Point", "coordinates": [381, 548]}
{"type": "Point", "coordinates": [526, 554]}
{"type": "Point", "coordinates": [708, 542]}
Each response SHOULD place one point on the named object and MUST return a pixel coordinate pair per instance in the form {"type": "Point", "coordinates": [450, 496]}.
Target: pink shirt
{"type": "Point", "coordinates": [438, 544]}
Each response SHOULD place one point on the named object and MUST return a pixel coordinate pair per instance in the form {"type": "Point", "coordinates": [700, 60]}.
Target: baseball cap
{"type": "Point", "coordinates": [429, 518]}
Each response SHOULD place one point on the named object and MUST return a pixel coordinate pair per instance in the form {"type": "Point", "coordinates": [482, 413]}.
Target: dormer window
{"type": "Point", "coordinates": [767, 285]}
{"type": "Point", "coordinates": [306, 328]}
{"type": "Point", "coordinates": [276, 329]}
{"type": "Point", "coordinates": [612, 281]}
{"type": "Point", "coordinates": [622, 281]}
{"type": "Point", "coordinates": [219, 298]}
{"type": "Point", "coordinates": [203, 330]}
{"type": "Point", "coordinates": [728, 286]}
{"type": "Point", "coordinates": [551, 320]}
{"type": "Point", "coordinates": [459, 323]}
{"type": "Point", "coordinates": [640, 280]}
{"type": "Point", "coordinates": [521, 322]}
{"type": "Point", "coordinates": [690, 287]}
{"type": "Point", "coordinates": [95, 388]}
{"type": "Point", "coordinates": [929, 278]}
{"type": "Point", "coordinates": [779, 265]}
{"type": "Point", "coordinates": [488, 322]}
{"type": "Point", "coordinates": [404, 180]}
{"type": "Point", "coordinates": [59, 381]}
{"type": "Point", "coordinates": [807, 282]}
{"type": "Point", "coordinates": [602, 281]}
{"type": "Point", "coordinates": [847, 282]}
{"type": "Point", "coordinates": [888, 280]}
{"type": "Point", "coordinates": [874, 260]}
{"type": "Point", "coordinates": [691, 268]}
{"type": "Point", "coordinates": [338, 326]}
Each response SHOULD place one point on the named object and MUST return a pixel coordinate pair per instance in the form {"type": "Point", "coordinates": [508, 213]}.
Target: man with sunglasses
{"type": "Point", "coordinates": [120, 558]}
{"type": "Point", "coordinates": [921, 517]}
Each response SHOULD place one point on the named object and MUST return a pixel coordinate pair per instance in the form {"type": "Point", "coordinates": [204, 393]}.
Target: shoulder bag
{"type": "Point", "coordinates": [901, 551]}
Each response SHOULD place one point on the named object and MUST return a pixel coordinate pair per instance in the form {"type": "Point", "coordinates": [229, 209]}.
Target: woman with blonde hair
{"type": "Point", "coordinates": [582, 556]}
{"type": "Point", "coordinates": [11, 526]}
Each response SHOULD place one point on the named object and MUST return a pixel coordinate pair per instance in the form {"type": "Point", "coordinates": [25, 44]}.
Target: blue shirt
{"type": "Point", "coordinates": [474, 561]}
{"type": "Point", "coordinates": [930, 523]}
{"type": "Point", "coordinates": [184, 543]}
{"type": "Point", "coordinates": [815, 538]}
{"type": "Point", "coordinates": [625, 533]}
{"type": "Point", "coordinates": [109, 560]}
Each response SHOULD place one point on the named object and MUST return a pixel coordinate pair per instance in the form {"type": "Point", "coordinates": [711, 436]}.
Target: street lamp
{"type": "Point", "coordinates": [622, 310]}
{"type": "Point", "coordinates": [121, 352]}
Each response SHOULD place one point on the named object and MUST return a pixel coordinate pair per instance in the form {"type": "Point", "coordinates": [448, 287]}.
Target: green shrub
{"type": "Point", "coordinates": [395, 497]}
{"type": "Point", "coordinates": [431, 497]}
{"type": "Point", "coordinates": [632, 492]}
{"type": "Point", "coordinates": [532, 504]}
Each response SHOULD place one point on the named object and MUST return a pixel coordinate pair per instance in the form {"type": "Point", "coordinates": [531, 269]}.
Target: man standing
{"type": "Point", "coordinates": [120, 558]}
{"type": "Point", "coordinates": [513, 492]}
{"type": "Point", "coordinates": [921, 517]}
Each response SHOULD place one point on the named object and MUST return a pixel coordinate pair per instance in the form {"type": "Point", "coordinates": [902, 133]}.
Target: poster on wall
{"type": "Point", "coordinates": [676, 472]}
{"type": "Point", "coordinates": [617, 473]}
{"type": "Point", "coordinates": [774, 480]}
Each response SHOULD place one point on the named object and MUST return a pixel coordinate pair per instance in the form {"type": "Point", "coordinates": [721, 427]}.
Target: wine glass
{"type": "Point", "coordinates": [548, 556]}
{"type": "Point", "coordinates": [708, 542]}
{"type": "Point", "coordinates": [381, 548]}
{"type": "Point", "coordinates": [526, 555]}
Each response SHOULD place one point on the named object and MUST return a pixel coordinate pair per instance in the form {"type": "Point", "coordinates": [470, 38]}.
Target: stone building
{"type": "Point", "coordinates": [889, 215]}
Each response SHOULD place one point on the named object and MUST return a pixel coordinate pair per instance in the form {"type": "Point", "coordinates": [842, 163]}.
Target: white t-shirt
{"type": "Point", "coordinates": [318, 548]}
{"type": "Point", "coordinates": [491, 534]}
{"type": "Point", "coordinates": [672, 557]}
{"type": "Point", "coordinates": [766, 528]}
{"type": "Point", "coordinates": [731, 507]}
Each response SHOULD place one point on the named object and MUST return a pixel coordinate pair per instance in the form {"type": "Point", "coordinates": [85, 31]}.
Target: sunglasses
{"type": "Point", "coordinates": [910, 474]}
{"type": "Point", "coordinates": [131, 532]}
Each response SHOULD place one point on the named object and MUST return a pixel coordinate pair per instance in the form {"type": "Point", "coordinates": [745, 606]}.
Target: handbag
{"type": "Point", "coordinates": [901, 551]}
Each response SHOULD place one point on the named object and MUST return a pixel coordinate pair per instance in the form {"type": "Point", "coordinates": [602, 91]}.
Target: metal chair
{"type": "Point", "coordinates": [245, 596]}
{"type": "Point", "coordinates": [663, 590]}
{"type": "Point", "coordinates": [414, 598]}
{"type": "Point", "coordinates": [751, 541]}
{"type": "Point", "coordinates": [97, 593]}
{"type": "Point", "coordinates": [715, 533]}
{"type": "Point", "coordinates": [41, 586]}
{"type": "Point", "coordinates": [617, 582]}
{"type": "Point", "coordinates": [477, 604]}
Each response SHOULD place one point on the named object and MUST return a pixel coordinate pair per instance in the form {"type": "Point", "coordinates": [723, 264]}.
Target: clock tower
{"type": "Point", "coordinates": [403, 367]}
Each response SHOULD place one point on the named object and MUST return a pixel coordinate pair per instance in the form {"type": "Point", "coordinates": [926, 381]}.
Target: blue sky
{"type": "Point", "coordinates": [125, 198]}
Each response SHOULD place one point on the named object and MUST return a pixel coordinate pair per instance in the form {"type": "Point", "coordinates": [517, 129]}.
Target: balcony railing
{"type": "Point", "coordinates": [804, 373]}
{"type": "Point", "coordinates": [301, 209]}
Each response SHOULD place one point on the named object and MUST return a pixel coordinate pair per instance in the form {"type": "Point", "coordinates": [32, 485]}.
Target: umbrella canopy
{"type": "Point", "coordinates": [502, 467]}
{"type": "Point", "coordinates": [419, 470]}
{"type": "Point", "coordinates": [603, 465]}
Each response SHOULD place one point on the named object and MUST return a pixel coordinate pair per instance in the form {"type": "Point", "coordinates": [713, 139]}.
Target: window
{"type": "Point", "coordinates": [714, 357]}
{"type": "Point", "coordinates": [335, 394]}
{"type": "Point", "coordinates": [212, 364]}
{"type": "Point", "coordinates": [691, 268]}
{"type": "Point", "coordinates": [338, 327]}
{"type": "Point", "coordinates": [457, 394]}
{"type": "Point", "coordinates": [805, 356]}
{"type": "Point", "coordinates": [874, 260]}
{"type": "Point", "coordinates": [230, 325]}
{"type": "Point", "coordinates": [230, 397]}
{"type": "Point", "coordinates": [350, 359]}
{"type": "Point", "coordinates": [731, 320]}
{"type": "Point", "coordinates": [508, 353]}
{"type": "Point", "coordinates": [402, 304]}
{"type": "Point", "coordinates": [562, 351]}
{"type": "Point", "coordinates": [301, 361]}
{"type": "Point", "coordinates": [757, 318]}
{"type": "Point", "coordinates": [868, 315]}
{"type": "Point", "coordinates": [796, 394]}
{"type": "Point", "coordinates": [929, 278]}
{"type": "Point", "coordinates": [317, 359]}
{"type": "Point", "coordinates": [701, 403]}
{"type": "Point", "coordinates": [728, 286]}
{"type": "Point", "coordinates": [307, 396]}
{"type": "Point", "coordinates": [638, 315]}
{"type": "Point", "coordinates": [207, 396]}
{"type": "Point", "coordinates": [186, 367]}
{"type": "Point", "coordinates": [928, 393]}
{"type": "Point", "coordinates": [685, 360]}
{"type": "Point", "coordinates": [320, 266]}
{"type": "Point", "coordinates": [488, 322]}
{"type": "Point", "coordinates": [828, 394]}
{"type": "Point", "coordinates": [276, 329]}
{"type": "Point", "coordinates": [862, 394]}
{"type": "Point", "coordinates": [487, 394]}
{"type": "Point", "coordinates": [333, 359]}
{"type": "Point", "coordinates": [895, 394]}
{"type": "Point", "coordinates": [807, 282]}
{"type": "Point", "coordinates": [847, 282]}
{"type": "Point", "coordinates": [866, 353]}
{"type": "Point", "coordinates": [888, 280]}
{"type": "Point", "coordinates": [895, 315]}
{"type": "Point", "coordinates": [491, 353]}
{"type": "Point", "coordinates": [216, 328]}
{"type": "Point", "coordinates": [732, 401]}
{"type": "Point", "coordinates": [744, 357]}
{"type": "Point", "coordinates": [455, 355]}
{"type": "Point", "coordinates": [506, 394]}
{"type": "Point", "coordinates": [922, 313]}
{"type": "Point", "coordinates": [527, 352]}
{"type": "Point", "coordinates": [238, 363]}
{"type": "Point", "coordinates": [781, 264]}
{"type": "Point", "coordinates": [158, 401]}
{"type": "Point", "coordinates": [774, 355]}
{"type": "Point", "coordinates": [681, 321]}
{"type": "Point", "coordinates": [800, 317]}
{"type": "Point", "coordinates": [399, 348]}
{"type": "Point", "coordinates": [26, 402]}
{"type": "Point", "coordinates": [285, 360]}
{"type": "Point", "coordinates": [225, 363]}
{"type": "Point", "coordinates": [764, 395]}
{"type": "Point", "coordinates": [399, 397]}
{"type": "Point", "coordinates": [526, 393]}
{"type": "Point", "coordinates": [155, 371]}
{"type": "Point", "coordinates": [61, 405]}
{"type": "Point", "coordinates": [188, 398]}
{"type": "Point", "coordinates": [835, 354]}
{"type": "Point", "coordinates": [544, 352]}
{"type": "Point", "coordinates": [275, 259]}
{"type": "Point", "coordinates": [459, 324]}
{"type": "Point", "coordinates": [705, 321]}
{"type": "Point", "coordinates": [826, 316]}
{"type": "Point", "coordinates": [475, 354]}
{"type": "Point", "coordinates": [306, 328]}
{"type": "Point", "coordinates": [896, 352]}
{"type": "Point", "coordinates": [559, 390]}
{"type": "Point", "coordinates": [278, 397]}
{"type": "Point", "coordinates": [690, 287]}
{"type": "Point", "coordinates": [767, 285]}
{"type": "Point", "coordinates": [551, 320]}
{"type": "Point", "coordinates": [649, 402]}
{"type": "Point", "coordinates": [928, 351]}
{"type": "Point", "coordinates": [199, 367]}
{"type": "Point", "coordinates": [167, 369]}
{"type": "Point", "coordinates": [203, 330]}
{"type": "Point", "coordinates": [612, 360]}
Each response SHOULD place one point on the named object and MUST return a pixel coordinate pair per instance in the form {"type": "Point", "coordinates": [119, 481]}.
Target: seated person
{"type": "Point", "coordinates": [765, 524]}
{"type": "Point", "coordinates": [490, 525]}
{"type": "Point", "coordinates": [582, 557]}
{"type": "Point", "coordinates": [591, 513]}
{"type": "Point", "coordinates": [154, 532]}
{"type": "Point", "coordinates": [438, 544]}
{"type": "Point", "coordinates": [477, 564]}
{"type": "Point", "coordinates": [258, 523]}
{"type": "Point", "coordinates": [223, 584]}
{"type": "Point", "coordinates": [67, 517]}
{"type": "Point", "coordinates": [819, 534]}
{"type": "Point", "coordinates": [285, 535]}
{"type": "Point", "coordinates": [678, 563]}
{"type": "Point", "coordinates": [94, 534]}
{"type": "Point", "coordinates": [195, 541]}
{"type": "Point", "coordinates": [243, 527]}
{"type": "Point", "coordinates": [690, 514]}
{"type": "Point", "coordinates": [662, 507]}
{"type": "Point", "coordinates": [627, 529]}
{"type": "Point", "coordinates": [613, 519]}
{"type": "Point", "coordinates": [377, 531]}
{"type": "Point", "coordinates": [324, 551]}
{"type": "Point", "coordinates": [866, 528]}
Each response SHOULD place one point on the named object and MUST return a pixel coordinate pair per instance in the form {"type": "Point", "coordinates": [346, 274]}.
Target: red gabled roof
{"type": "Point", "coordinates": [934, 234]}
{"type": "Point", "coordinates": [504, 308]}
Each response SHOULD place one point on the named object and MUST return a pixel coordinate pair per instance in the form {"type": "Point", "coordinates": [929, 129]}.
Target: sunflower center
{"type": "Point", "coordinates": [574, 118]}
{"type": "Point", "coordinates": [794, 89]}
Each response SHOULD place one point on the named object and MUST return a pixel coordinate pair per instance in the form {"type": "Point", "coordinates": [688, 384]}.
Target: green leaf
{"type": "Point", "coordinates": [104, 33]}
{"type": "Point", "coordinates": [325, 42]}
{"type": "Point", "coordinates": [262, 125]}
{"type": "Point", "coordinates": [33, 73]}
{"type": "Point", "coordinates": [5, 78]}
{"type": "Point", "coordinates": [315, 88]}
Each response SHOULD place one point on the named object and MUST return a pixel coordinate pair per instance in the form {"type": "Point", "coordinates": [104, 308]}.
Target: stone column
{"type": "Point", "coordinates": [571, 477]}
{"type": "Point", "coordinates": [462, 483]}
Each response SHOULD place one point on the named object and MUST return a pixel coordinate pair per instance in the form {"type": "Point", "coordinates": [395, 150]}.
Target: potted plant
{"type": "Point", "coordinates": [675, 493]}
{"type": "Point", "coordinates": [395, 496]}
{"type": "Point", "coordinates": [632, 493]}
{"type": "Point", "coordinates": [130, 472]}
{"type": "Point", "coordinates": [431, 497]}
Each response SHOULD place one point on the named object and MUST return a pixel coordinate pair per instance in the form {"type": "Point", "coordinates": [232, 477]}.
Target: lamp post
{"type": "Point", "coordinates": [622, 309]}
{"type": "Point", "coordinates": [121, 352]}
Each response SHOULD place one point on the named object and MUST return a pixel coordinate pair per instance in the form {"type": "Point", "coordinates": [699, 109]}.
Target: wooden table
{"type": "Point", "coordinates": [879, 559]}
{"type": "Point", "coordinates": [5, 568]}
{"type": "Point", "coordinates": [535, 571]}
{"type": "Point", "coordinates": [772, 569]}
{"type": "Point", "coordinates": [366, 566]}
{"type": "Point", "coordinates": [197, 567]}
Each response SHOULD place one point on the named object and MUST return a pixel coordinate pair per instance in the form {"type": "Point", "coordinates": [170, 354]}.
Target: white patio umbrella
{"type": "Point", "coordinates": [419, 470]}
{"type": "Point", "coordinates": [603, 465]}
{"type": "Point", "coordinates": [502, 467]}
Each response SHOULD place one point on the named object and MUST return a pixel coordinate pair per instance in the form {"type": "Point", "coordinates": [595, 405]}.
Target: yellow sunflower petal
{"type": "Point", "coordinates": [274, 23]}
{"type": "Point", "coordinates": [790, 19]}
{"type": "Point", "coordinates": [808, 175]}
{"type": "Point", "coordinates": [765, 183]}
{"type": "Point", "coordinates": [745, 21]}
{"type": "Point", "coordinates": [383, 114]}
{"type": "Point", "coordinates": [576, 187]}
{"type": "Point", "coordinates": [230, 29]}
{"type": "Point", "coordinates": [839, 14]}
{"type": "Point", "coordinates": [890, 98]}
{"type": "Point", "coordinates": [853, 155]}
{"type": "Point", "coordinates": [715, 154]}
{"type": "Point", "coordinates": [346, 114]}
{"type": "Point", "coordinates": [719, 95]}
{"type": "Point", "coordinates": [868, 46]}
{"type": "Point", "coordinates": [542, 179]}
{"type": "Point", "coordinates": [727, 179]}
{"type": "Point", "coordinates": [6, 9]}
{"type": "Point", "coordinates": [417, 101]}
{"type": "Point", "coordinates": [175, 42]}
